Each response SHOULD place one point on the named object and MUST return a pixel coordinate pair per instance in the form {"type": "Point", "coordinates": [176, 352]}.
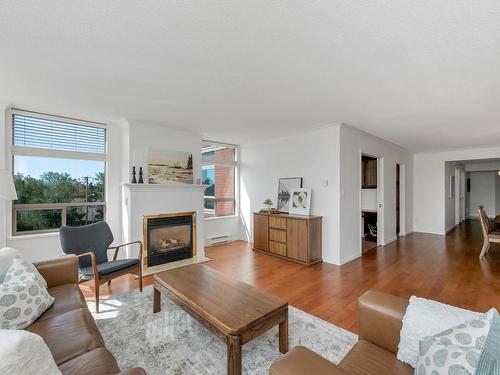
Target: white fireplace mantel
{"type": "Point", "coordinates": [166, 187]}
{"type": "Point", "coordinates": [152, 199]}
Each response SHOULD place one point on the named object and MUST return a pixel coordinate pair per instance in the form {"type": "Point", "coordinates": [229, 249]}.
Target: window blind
{"type": "Point", "coordinates": [38, 132]}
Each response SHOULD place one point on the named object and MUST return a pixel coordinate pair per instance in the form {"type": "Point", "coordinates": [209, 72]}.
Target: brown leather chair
{"type": "Point", "coordinates": [68, 328]}
{"type": "Point", "coordinates": [380, 321]}
{"type": "Point", "coordinates": [489, 235]}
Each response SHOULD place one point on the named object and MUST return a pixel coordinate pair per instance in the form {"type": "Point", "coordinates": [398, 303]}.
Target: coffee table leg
{"type": "Point", "coordinates": [234, 355]}
{"type": "Point", "coordinates": [283, 335]}
{"type": "Point", "coordinates": [156, 300]}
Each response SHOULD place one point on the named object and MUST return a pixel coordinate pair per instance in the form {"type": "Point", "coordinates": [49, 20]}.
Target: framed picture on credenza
{"type": "Point", "coordinates": [285, 187]}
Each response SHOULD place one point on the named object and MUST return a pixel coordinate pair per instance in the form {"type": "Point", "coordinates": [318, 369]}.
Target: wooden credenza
{"type": "Point", "coordinates": [292, 237]}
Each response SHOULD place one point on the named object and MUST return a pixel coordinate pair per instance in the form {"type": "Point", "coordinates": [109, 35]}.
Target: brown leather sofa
{"type": "Point", "coordinates": [68, 328]}
{"type": "Point", "coordinates": [380, 322]}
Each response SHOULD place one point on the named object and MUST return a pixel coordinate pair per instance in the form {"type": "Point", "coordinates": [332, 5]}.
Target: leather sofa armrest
{"type": "Point", "coordinates": [302, 361]}
{"type": "Point", "coordinates": [58, 271]}
{"type": "Point", "coordinates": [133, 371]}
{"type": "Point", "coordinates": [381, 318]}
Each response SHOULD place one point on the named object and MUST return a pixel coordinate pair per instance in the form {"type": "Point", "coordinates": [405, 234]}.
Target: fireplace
{"type": "Point", "coordinates": [168, 238]}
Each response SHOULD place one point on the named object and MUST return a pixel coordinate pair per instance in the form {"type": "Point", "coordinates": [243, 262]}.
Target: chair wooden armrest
{"type": "Point", "coordinates": [93, 261]}
{"type": "Point", "coordinates": [117, 248]}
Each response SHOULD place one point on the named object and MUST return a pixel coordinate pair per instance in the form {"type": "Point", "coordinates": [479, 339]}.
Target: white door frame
{"type": "Point", "coordinates": [462, 197]}
{"type": "Point", "coordinates": [402, 200]}
{"type": "Point", "coordinates": [380, 198]}
{"type": "Point", "coordinates": [458, 196]}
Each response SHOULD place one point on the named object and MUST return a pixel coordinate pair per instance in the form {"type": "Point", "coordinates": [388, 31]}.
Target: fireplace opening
{"type": "Point", "coordinates": [169, 238]}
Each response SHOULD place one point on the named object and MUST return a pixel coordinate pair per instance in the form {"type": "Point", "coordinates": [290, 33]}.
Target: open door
{"type": "Point", "coordinates": [369, 197]}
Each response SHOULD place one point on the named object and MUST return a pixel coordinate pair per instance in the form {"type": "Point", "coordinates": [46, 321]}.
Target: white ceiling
{"type": "Point", "coordinates": [422, 74]}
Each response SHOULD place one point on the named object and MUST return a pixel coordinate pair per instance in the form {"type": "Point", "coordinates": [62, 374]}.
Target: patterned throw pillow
{"type": "Point", "coordinates": [23, 295]}
{"type": "Point", "coordinates": [22, 304]}
{"type": "Point", "coordinates": [22, 271]}
{"type": "Point", "coordinates": [455, 351]}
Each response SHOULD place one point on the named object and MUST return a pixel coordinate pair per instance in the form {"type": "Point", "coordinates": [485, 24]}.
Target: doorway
{"type": "Point", "coordinates": [369, 202]}
{"type": "Point", "coordinates": [398, 199]}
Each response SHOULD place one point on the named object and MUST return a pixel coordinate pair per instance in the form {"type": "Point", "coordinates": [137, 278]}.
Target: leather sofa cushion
{"type": "Point", "coordinates": [97, 361]}
{"type": "Point", "coordinates": [110, 267]}
{"type": "Point", "coordinates": [68, 335]}
{"type": "Point", "coordinates": [367, 358]}
{"type": "Point", "coordinates": [301, 360]}
{"type": "Point", "coordinates": [68, 297]}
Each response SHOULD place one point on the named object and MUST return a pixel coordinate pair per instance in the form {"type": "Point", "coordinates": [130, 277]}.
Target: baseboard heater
{"type": "Point", "coordinates": [219, 240]}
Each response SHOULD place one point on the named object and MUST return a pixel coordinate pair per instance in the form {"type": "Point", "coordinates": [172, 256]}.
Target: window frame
{"type": "Point", "coordinates": [231, 163]}
{"type": "Point", "coordinates": [15, 150]}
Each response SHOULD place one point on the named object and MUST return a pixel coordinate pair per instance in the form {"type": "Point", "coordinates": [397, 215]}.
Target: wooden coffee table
{"type": "Point", "coordinates": [234, 311]}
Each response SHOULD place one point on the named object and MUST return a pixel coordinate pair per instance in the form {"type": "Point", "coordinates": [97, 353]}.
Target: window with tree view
{"type": "Point", "coordinates": [219, 172]}
{"type": "Point", "coordinates": [59, 171]}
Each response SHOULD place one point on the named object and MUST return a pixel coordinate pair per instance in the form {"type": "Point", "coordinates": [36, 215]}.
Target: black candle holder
{"type": "Point", "coordinates": [141, 181]}
{"type": "Point", "coordinates": [134, 180]}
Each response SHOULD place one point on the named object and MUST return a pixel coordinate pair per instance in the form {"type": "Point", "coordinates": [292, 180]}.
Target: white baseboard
{"type": "Point", "coordinates": [349, 259]}
{"type": "Point", "coordinates": [389, 241]}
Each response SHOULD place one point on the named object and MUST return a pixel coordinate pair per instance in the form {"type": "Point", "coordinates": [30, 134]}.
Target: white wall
{"type": "Point", "coordinates": [353, 143]}
{"type": "Point", "coordinates": [313, 156]}
{"type": "Point", "coordinates": [482, 193]}
{"type": "Point", "coordinates": [429, 188]}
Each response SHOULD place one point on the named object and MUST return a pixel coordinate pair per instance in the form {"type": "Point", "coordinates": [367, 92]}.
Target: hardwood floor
{"type": "Point", "coordinates": [446, 269]}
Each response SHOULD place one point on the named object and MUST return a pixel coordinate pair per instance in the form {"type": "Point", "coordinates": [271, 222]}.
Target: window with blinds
{"type": "Point", "coordinates": [59, 168]}
{"type": "Point", "coordinates": [48, 133]}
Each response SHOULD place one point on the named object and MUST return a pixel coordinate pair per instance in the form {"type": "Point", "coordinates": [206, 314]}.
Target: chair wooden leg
{"type": "Point", "coordinates": [96, 283]}
{"type": "Point", "coordinates": [140, 279]}
{"type": "Point", "coordinates": [484, 250]}
{"type": "Point", "coordinates": [109, 282]}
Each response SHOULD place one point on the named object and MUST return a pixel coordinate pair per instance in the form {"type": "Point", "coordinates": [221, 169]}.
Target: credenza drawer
{"type": "Point", "coordinates": [277, 248]}
{"type": "Point", "coordinates": [277, 235]}
{"type": "Point", "coordinates": [277, 222]}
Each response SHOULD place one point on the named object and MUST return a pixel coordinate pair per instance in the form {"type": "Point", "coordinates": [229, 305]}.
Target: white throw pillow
{"type": "Point", "coordinates": [424, 318]}
{"type": "Point", "coordinates": [22, 271]}
{"type": "Point", "coordinates": [456, 350]}
{"type": "Point", "coordinates": [23, 352]}
{"type": "Point", "coordinates": [7, 255]}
